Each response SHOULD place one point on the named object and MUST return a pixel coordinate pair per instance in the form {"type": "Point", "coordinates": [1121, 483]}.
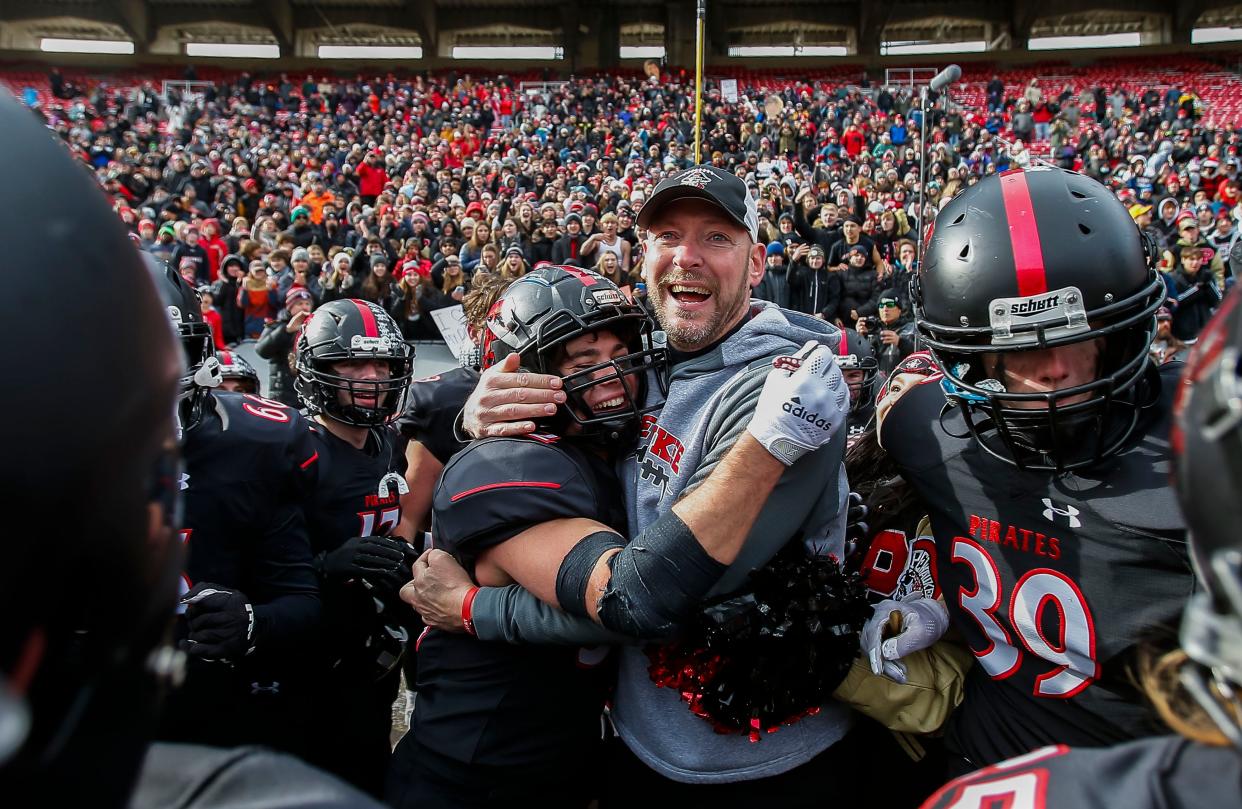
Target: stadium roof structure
{"type": "Point", "coordinates": [591, 33]}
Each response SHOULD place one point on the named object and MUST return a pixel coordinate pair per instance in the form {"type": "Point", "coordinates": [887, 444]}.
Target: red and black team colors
{"type": "Point", "coordinates": [352, 371]}
{"type": "Point", "coordinates": [251, 608]}
{"type": "Point", "coordinates": [1059, 545]}
{"type": "Point", "coordinates": [1195, 687]}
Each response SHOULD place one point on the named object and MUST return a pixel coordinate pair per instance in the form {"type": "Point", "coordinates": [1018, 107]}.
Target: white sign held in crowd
{"type": "Point", "coordinates": [728, 90]}
{"type": "Point", "coordinates": [451, 321]}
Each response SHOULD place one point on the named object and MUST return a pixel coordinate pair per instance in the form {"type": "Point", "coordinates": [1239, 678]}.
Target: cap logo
{"type": "Point", "coordinates": [699, 178]}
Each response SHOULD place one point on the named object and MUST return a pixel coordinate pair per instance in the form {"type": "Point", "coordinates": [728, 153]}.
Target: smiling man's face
{"type": "Point", "coordinates": [700, 266]}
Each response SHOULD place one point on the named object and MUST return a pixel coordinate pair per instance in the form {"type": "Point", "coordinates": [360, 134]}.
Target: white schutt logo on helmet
{"type": "Point", "coordinates": [385, 344]}
{"type": "Point", "coordinates": [698, 178]}
{"type": "Point", "coordinates": [175, 314]}
{"type": "Point", "coordinates": [1052, 511]}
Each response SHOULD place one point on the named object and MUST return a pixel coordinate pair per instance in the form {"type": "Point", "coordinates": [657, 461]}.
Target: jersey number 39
{"type": "Point", "coordinates": [1072, 652]}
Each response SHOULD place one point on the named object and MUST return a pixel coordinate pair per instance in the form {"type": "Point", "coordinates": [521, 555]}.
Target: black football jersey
{"type": "Point", "coordinates": [493, 703]}
{"type": "Point", "coordinates": [357, 491]}
{"type": "Point", "coordinates": [431, 408]}
{"type": "Point", "coordinates": [1166, 772]}
{"type": "Point", "coordinates": [246, 474]}
{"type": "Point", "coordinates": [248, 465]}
{"type": "Point", "coordinates": [1053, 580]}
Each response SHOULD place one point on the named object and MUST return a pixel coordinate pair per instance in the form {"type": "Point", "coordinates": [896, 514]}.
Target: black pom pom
{"type": "Point", "coordinates": [773, 654]}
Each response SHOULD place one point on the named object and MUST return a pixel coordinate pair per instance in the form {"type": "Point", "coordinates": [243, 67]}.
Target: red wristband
{"type": "Point", "coordinates": [467, 606]}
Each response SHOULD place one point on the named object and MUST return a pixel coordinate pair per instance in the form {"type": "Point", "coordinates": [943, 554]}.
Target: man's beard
{"type": "Point", "coordinates": [689, 335]}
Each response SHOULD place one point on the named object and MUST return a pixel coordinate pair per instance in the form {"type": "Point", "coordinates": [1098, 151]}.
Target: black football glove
{"type": "Point", "coordinates": [857, 532]}
{"type": "Point", "coordinates": [379, 561]}
{"type": "Point", "coordinates": [220, 623]}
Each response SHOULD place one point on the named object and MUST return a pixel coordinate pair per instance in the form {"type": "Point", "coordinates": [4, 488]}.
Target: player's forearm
{"type": "Point", "coordinates": [722, 510]}
{"type": "Point", "coordinates": [650, 586]}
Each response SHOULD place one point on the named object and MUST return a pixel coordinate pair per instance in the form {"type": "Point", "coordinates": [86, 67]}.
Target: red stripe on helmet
{"type": "Point", "coordinates": [368, 319]}
{"type": "Point", "coordinates": [1028, 254]}
{"type": "Point", "coordinates": [585, 277]}
{"type": "Point", "coordinates": [843, 348]}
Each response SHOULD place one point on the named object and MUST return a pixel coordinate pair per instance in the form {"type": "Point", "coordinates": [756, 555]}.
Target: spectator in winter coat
{"type": "Point", "coordinates": [895, 338]}
{"type": "Point", "coordinates": [1165, 221]}
{"type": "Point", "coordinates": [903, 269]}
{"type": "Point", "coordinates": [278, 341]}
{"type": "Point", "coordinates": [568, 248]}
{"type": "Point", "coordinates": [774, 286]}
{"type": "Point", "coordinates": [852, 236]}
{"type": "Point", "coordinates": [224, 290]}
{"type": "Point", "coordinates": [860, 293]}
{"type": "Point", "coordinates": [543, 243]}
{"type": "Point", "coordinates": [1193, 293]}
{"type": "Point", "coordinates": [302, 231]}
{"type": "Point", "coordinates": [197, 255]}
{"type": "Point", "coordinates": [826, 236]}
{"type": "Point", "coordinates": [1141, 214]}
{"type": "Point", "coordinates": [813, 289]}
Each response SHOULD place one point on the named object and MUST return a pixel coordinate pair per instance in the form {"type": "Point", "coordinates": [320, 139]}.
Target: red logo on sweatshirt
{"type": "Point", "coordinates": [662, 444]}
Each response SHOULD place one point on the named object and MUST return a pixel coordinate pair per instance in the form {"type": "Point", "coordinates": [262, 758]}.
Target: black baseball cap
{"type": "Point", "coordinates": [725, 190]}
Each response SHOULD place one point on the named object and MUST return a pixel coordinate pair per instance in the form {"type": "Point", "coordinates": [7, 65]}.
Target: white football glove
{"type": "Point", "coordinates": [803, 404]}
{"type": "Point", "coordinates": [923, 622]}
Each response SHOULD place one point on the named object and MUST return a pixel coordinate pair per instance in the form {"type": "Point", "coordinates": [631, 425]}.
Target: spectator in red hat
{"type": "Point", "coordinates": [146, 234]}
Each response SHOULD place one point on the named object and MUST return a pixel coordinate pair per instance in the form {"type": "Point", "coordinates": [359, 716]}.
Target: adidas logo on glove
{"type": "Point", "coordinates": [799, 412]}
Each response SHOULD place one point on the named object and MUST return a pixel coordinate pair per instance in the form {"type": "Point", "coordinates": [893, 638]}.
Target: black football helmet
{"type": "Point", "coordinates": [544, 309]}
{"type": "Point", "coordinates": [1031, 260]}
{"type": "Point", "coordinates": [181, 301]}
{"type": "Point", "coordinates": [1207, 452]}
{"type": "Point", "coordinates": [855, 353]}
{"type": "Point", "coordinates": [234, 366]}
{"type": "Point", "coordinates": [352, 329]}
{"type": "Point", "coordinates": [88, 585]}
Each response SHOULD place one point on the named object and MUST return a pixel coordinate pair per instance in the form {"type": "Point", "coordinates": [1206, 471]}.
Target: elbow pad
{"type": "Point", "coordinates": [574, 574]}
{"type": "Point", "coordinates": [658, 580]}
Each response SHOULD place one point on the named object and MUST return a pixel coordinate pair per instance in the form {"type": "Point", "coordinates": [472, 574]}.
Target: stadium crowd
{"type": "Point", "coordinates": [399, 190]}
{"type": "Point", "coordinates": [328, 220]}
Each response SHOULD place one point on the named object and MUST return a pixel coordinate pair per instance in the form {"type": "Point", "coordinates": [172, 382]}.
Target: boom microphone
{"type": "Point", "coordinates": [945, 77]}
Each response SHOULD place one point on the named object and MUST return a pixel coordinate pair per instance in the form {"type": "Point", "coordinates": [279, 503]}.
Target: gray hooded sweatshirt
{"type": "Point", "coordinates": [711, 399]}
